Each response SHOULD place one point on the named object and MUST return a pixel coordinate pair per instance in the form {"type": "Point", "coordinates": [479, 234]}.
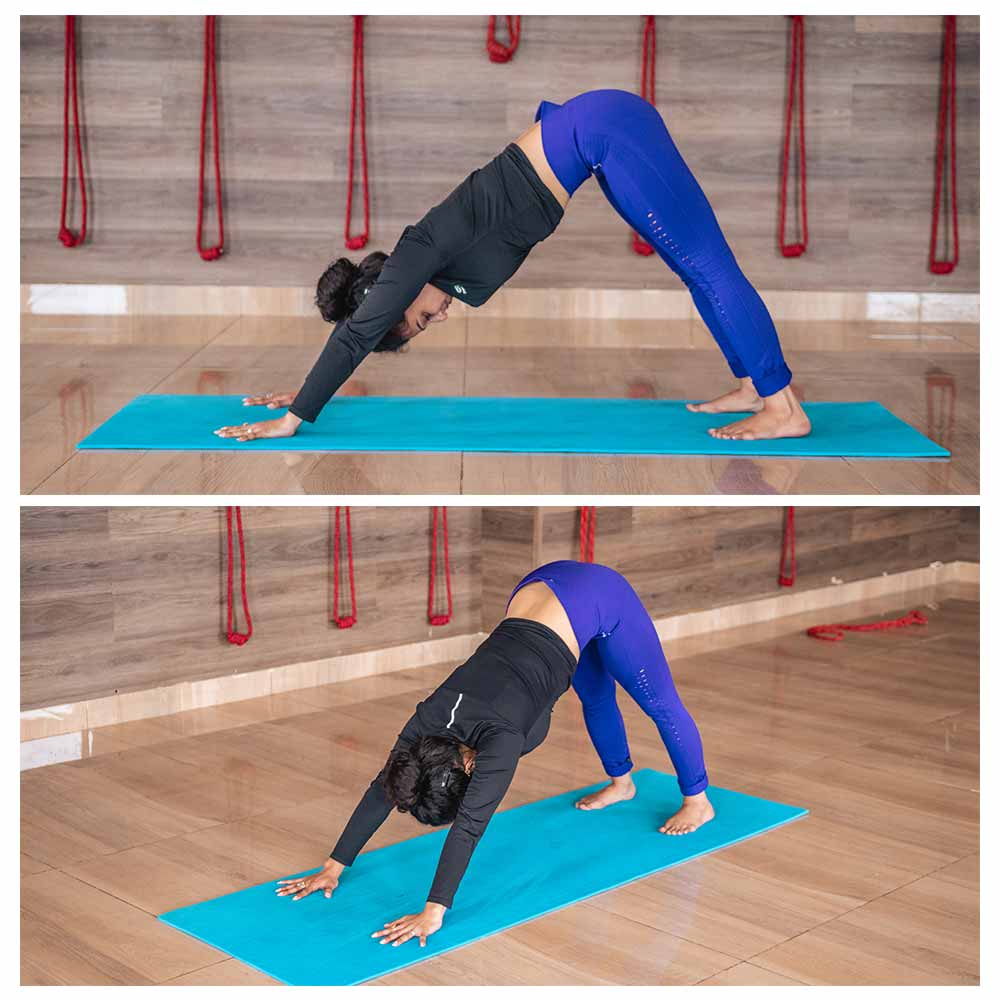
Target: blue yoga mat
{"type": "Point", "coordinates": [532, 860]}
{"type": "Point", "coordinates": [468, 423]}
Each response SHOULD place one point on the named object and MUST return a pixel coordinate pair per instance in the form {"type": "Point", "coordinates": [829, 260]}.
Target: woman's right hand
{"type": "Point", "coordinates": [324, 881]}
{"type": "Point", "coordinates": [272, 400]}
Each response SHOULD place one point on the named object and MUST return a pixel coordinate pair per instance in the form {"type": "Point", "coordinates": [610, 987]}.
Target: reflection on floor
{"type": "Point", "coordinates": [878, 736]}
{"type": "Point", "coordinates": [77, 371]}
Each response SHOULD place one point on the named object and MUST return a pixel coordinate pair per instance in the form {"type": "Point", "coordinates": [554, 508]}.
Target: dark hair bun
{"type": "Point", "coordinates": [426, 779]}
{"type": "Point", "coordinates": [343, 284]}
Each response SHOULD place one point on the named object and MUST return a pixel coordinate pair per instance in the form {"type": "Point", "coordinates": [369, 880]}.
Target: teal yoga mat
{"type": "Point", "coordinates": [532, 860]}
{"type": "Point", "coordinates": [442, 424]}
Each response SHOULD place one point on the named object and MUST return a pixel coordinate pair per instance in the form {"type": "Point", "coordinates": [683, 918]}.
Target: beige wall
{"type": "Point", "coordinates": [438, 108]}
{"type": "Point", "coordinates": [125, 599]}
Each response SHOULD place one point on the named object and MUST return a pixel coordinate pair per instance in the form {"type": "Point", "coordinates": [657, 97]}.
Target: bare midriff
{"type": "Point", "coordinates": [537, 603]}
{"type": "Point", "coordinates": [531, 143]}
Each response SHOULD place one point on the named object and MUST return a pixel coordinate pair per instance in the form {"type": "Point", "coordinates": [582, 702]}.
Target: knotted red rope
{"type": "Point", "coordinates": [948, 62]}
{"type": "Point", "coordinates": [236, 638]}
{"type": "Point", "coordinates": [343, 621]}
{"type": "Point", "coordinates": [438, 619]}
{"type": "Point", "coordinates": [498, 52]}
{"type": "Point", "coordinates": [647, 90]}
{"type": "Point", "coordinates": [357, 102]}
{"type": "Point", "coordinates": [796, 81]}
{"type": "Point", "coordinates": [787, 569]}
{"type": "Point", "coordinates": [210, 85]}
{"type": "Point", "coordinates": [835, 633]}
{"type": "Point", "coordinates": [69, 89]}
{"type": "Point", "coordinates": [588, 524]}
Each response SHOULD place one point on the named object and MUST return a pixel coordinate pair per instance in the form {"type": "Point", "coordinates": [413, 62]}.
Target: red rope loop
{"type": "Point", "coordinates": [835, 633]}
{"type": "Point", "coordinates": [66, 237]}
{"type": "Point", "coordinates": [588, 526]}
{"type": "Point", "coordinates": [357, 110]}
{"type": "Point", "coordinates": [497, 51]}
{"type": "Point", "coordinates": [343, 621]}
{"type": "Point", "coordinates": [434, 618]}
{"type": "Point", "coordinates": [647, 90]}
{"type": "Point", "coordinates": [210, 85]}
{"type": "Point", "coordinates": [946, 113]}
{"type": "Point", "coordinates": [788, 567]}
{"type": "Point", "coordinates": [796, 81]}
{"type": "Point", "coordinates": [236, 638]}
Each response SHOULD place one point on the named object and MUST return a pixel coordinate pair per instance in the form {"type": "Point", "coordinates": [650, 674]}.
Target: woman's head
{"type": "Point", "coordinates": [343, 286]}
{"type": "Point", "coordinates": [428, 779]}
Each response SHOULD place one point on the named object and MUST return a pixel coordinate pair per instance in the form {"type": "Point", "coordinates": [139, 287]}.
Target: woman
{"type": "Point", "coordinates": [471, 243]}
{"type": "Point", "coordinates": [567, 622]}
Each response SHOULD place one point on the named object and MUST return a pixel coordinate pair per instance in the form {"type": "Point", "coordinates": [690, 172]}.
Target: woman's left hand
{"type": "Point", "coordinates": [413, 925]}
{"type": "Point", "coordinates": [281, 427]}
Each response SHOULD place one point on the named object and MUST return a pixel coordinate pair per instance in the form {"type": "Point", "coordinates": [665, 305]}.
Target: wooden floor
{"type": "Point", "coordinates": [878, 736]}
{"type": "Point", "coordinates": [77, 371]}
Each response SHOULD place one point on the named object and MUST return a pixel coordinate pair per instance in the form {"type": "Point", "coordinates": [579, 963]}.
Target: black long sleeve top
{"type": "Point", "coordinates": [468, 246]}
{"type": "Point", "coordinates": [499, 703]}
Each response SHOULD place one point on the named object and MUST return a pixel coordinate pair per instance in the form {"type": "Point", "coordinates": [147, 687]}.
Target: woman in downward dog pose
{"type": "Point", "coordinates": [567, 623]}
{"type": "Point", "coordinates": [474, 241]}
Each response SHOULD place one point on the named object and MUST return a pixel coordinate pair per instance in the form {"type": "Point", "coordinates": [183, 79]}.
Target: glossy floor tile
{"type": "Point", "coordinates": [77, 371]}
{"type": "Point", "coordinates": [878, 736]}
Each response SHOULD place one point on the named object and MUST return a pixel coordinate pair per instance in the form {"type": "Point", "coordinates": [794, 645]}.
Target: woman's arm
{"type": "Point", "coordinates": [416, 259]}
{"type": "Point", "coordinates": [373, 809]}
{"type": "Point", "coordinates": [496, 761]}
{"type": "Point", "coordinates": [369, 814]}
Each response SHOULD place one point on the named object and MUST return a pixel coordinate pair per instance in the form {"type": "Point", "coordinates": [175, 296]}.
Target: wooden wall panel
{"type": "Point", "coordinates": [128, 598]}
{"type": "Point", "coordinates": [437, 108]}
{"type": "Point", "coordinates": [683, 559]}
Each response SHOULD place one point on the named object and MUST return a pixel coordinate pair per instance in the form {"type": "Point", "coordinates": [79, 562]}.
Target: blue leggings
{"type": "Point", "coordinates": [622, 140]}
{"type": "Point", "coordinates": [619, 643]}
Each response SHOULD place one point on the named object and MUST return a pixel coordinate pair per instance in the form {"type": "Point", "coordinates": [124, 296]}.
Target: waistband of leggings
{"type": "Point", "coordinates": [516, 156]}
{"type": "Point", "coordinates": [536, 634]}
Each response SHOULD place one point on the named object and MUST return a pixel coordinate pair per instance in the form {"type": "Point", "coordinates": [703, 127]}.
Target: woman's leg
{"type": "Point", "coordinates": [633, 656]}
{"type": "Point", "coordinates": [595, 688]}
{"type": "Point", "coordinates": [650, 186]}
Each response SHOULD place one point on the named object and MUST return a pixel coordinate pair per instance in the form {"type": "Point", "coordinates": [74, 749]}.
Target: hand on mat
{"type": "Point", "coordinates": [298, 888]}
{"type": "Point", "coordinates": [280, 427]}
{"type": "Point", "coordinates": [272, 400]}
{"type": "Point", "coordinates": [413, 925]}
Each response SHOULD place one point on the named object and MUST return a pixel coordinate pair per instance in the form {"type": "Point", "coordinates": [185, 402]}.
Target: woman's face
{"type": "Point", "coordinates": [430, 306]}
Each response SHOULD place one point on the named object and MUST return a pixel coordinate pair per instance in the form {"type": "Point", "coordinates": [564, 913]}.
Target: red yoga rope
{"type": "Point", "coordinates": [343, 621]}
{"type": "Point", "coordinates": [210, 84]}
{"type": "Point", "coordinates": [236, 638]}
{"type": "Point", "coordinates": [948, 62]}
{"type": "Point", "coordinates": [647, 91]}
{"type": "Point", "coordinates": [796, 76]}
{"type": "Point", "coordinates": [357, 107]}
{"type": "Point", "coordinates": [835, 633]}
{"type": "Point", "coordinates": [588, 524]}
{"type": "Point", "coordinates": [436, 619]}
{"type": "Point", "coordinates": [69, 87]}
{"type": "Point", "coordinates": [788, 568]}
{"type": "Point", "coordinates": [497, 51]}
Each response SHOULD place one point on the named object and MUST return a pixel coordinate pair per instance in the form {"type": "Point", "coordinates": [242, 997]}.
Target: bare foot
{"type": "Point", "coordinates": [781, 416]}
{"type": "Point", "coordinates": [743, 399]}
{"type": "Point", "coordinates": [620, 790]}
{"type": "Point", "coordinates": [696, 811]}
